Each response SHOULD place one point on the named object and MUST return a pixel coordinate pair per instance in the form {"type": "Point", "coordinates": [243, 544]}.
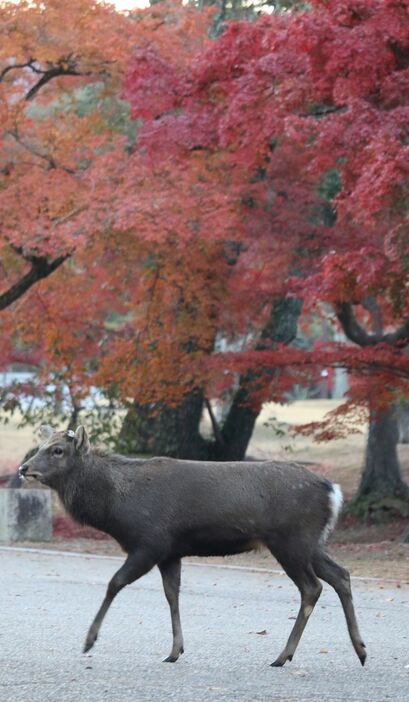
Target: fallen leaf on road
{"type": "Point", "coordinates": [262, 633]}
{"type": "Point", "coordinates": [300, 673]}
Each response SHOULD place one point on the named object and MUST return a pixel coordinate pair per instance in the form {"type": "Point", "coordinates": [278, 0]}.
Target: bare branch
{"type": "Point", "coordinates": [65, 66]}
{"type": "Point", "coordinates": [31, 149]}
{"type": "Point", "coordinates": [36, 152]}
{"type": "Point", "coordinates": [41, 267]}
{"type": "Point", "coordinates": [13, 66]}
{"type": "Point", "coordinates": [53, 72]}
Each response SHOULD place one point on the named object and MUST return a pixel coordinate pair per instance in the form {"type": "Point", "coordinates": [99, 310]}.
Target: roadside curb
{"type": "Point", "coordinates": [219, 566]}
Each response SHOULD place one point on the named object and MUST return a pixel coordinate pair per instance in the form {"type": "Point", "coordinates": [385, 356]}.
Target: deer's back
{"type": "Point", "coordinates": [207, 508]}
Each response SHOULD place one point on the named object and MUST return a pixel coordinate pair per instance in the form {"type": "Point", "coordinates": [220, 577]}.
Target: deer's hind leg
{"type": "Point", "coordinates": [170, 572]}
{"type": "Point", "coordinates": [302, 574]}
{"type": "Point", "coordinates": [338, 577]}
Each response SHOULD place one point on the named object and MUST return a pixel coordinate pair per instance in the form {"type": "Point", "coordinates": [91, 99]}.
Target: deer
{"type": "Point", "coordinates": [162, 509]}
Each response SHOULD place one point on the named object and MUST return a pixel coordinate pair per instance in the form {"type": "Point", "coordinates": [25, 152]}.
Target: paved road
{"type": "Point", "coordinates": [48, 600]}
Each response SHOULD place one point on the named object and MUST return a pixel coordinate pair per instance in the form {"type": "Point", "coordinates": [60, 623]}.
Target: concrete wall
{"type": "Point", "coordinates": [25, 515]}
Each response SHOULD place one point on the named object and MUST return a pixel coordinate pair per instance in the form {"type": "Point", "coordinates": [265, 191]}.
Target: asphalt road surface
{"type": "Point", "coordinates": [235, 622]}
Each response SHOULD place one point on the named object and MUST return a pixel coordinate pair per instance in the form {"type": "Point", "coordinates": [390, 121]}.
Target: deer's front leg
{"type": "Point", "coordinates": [136, 565]}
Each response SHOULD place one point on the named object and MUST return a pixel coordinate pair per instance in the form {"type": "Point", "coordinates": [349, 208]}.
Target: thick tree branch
{"type": "Point", "coordinates": [352, 329]}
{"type": "Point", "coordinates": [370, 304]}
{"type": "Point", "coordinates": [356, 333]}
{"type": "Point", "coordinates": [401, 334]}
{"type": "Point", "coordinates": [49, 75]}
{"type": "Point", "coordinates": [63, 67]}
{"type": "Point", "coordinates": [41, 267]}
{"type": "Point", "coordinates": [66, 66]}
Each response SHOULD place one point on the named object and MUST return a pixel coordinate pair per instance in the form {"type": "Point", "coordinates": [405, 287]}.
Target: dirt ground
{"type": "Point", "coordinates": [368, 550]}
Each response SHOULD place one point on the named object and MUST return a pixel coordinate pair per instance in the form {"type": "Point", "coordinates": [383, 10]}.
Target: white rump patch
{"type": "Point", "coordinates": [335, 504]}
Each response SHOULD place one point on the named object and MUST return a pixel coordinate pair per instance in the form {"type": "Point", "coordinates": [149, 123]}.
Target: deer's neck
{"type": "Point", "coordinates": [87, 499]}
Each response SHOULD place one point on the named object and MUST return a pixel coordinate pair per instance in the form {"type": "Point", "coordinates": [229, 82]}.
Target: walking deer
{"type": "Point", "coordinates": [162, 509]}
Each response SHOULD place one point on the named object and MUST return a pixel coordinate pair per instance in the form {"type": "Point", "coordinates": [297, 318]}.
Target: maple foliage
{"type": "Point", "coordinates": [270, 162]}
{"type": "Point", "coordinates": [61, 71]}
{"type": "Point", "coordinates": [293, 101]}
{"type": "Point", "coordinates": [48, 51]}
{"type": "Point", "coordinates": [65, 174]}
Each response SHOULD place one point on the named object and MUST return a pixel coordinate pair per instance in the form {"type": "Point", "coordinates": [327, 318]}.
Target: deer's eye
{"type": "Point", "coordinates": [57, 451]}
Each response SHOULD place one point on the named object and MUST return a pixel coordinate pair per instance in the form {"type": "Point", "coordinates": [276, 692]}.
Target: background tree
{"type": "Point", "coordinates": [268, 164]}
{"type": "Point", "coordinates": [323, 93]}
{"type": "Point", "coordinates": [48, 51]}
{"type": "Point", "coordinates": [61, 70]}
{"type": "Point", "coordinates": [183, 263]}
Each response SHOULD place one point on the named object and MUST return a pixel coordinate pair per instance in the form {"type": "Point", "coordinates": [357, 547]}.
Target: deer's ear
{"type": "Point", "coordinates": [81, 440]}
{"type": "Point", "coordinates": [46, 431]}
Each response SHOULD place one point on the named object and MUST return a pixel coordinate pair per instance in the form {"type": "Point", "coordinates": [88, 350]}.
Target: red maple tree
{"type": "Point", "coordinates": [61, 70]}
{"type": "Point", "coordinates": [270, 166]}
{"type": "Point", "coordinates": [310, 110]}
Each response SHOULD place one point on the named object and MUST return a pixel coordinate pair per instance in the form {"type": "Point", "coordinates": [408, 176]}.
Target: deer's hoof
{"type": "Point", "coordinates": [173, 657]}
{"type": "Point", "coordinates": [88, 645]}
{"type": "Point", "coordinates": [279, 662]}
{"type": "Point", "coordinates": [362, 653]}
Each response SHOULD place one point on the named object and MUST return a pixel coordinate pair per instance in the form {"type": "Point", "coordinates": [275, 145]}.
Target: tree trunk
{"type": "Point", "coordinates": [403, 422]}
{"type": "Point", "coordinates": [381, 480]}
{"type": "Point", "coordinates": [381, 476]}
{"type": "Point", "coordinates": [237, 430]}
{"type": "Point", "coordinates": [175, 431]}
{"type": "Point", "coordinates": [135, 435]}
{"type": "Point", "coordinates": [165, 431]}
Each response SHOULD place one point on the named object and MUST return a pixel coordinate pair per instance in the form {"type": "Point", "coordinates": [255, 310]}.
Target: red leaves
{"type": "Point", "coordinates": [352, 275]}
{"type": "Point", "coordinates": [148, 70]}
{"type": "Point", "coordinates": [218, 206]}
{"type": "Point", "coordinates": [375, 373]}
{"type": "Point", "coordinates": [282, 101]}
